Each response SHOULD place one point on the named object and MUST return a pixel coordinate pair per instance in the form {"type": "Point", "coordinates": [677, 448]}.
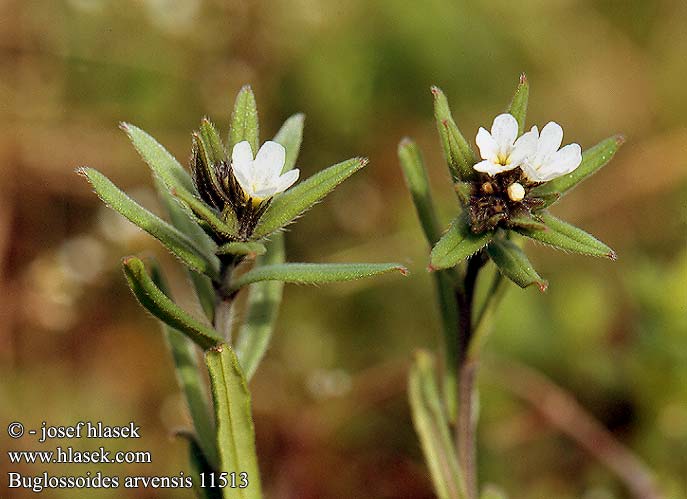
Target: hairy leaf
{"type": "Point", "coordinates": [235, 431]}
{"type": "Point", "coordinates": [158, 304]}
{"type": "Point", "coordinates": [238, 248]}
{"type": "Point", "coordinates": [290, 135]}
{"type": "Point", "coordinates": [285, 207]}
{"type": "Point", "coordinates": [518, 106]}
{"type": "Point", "coordinates": [179, 244]}
{"type": "Point", "coordinates": [457, 244]}
{"type": "Point", "coordinates": [225, 229]}
{"type": "Point", "coordinates": [567, 237]}
{"type": "Point", "coordinates": [244, 120]}
{"type": "Point", "coordinates": [514, 264]}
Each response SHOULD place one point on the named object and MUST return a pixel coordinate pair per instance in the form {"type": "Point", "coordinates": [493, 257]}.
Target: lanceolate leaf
{"type": "Point", "coordinates": [315, 273]}
{"type": "Point", "coordinates": [238, 248]}
{"type": "Point", "coordinates": [415, 175]}
{"type": "Point", "coordinates": [211, 143]}
{"type": "Point", "coordinates": [592, 161]}
{"type": "Point", "coordinates": [158, 304]}
{"type": "Point", "coordinates": [186, 225]}
{"type": "Point", "coordinates": [189, 379]}
{"type": "Point", "coordinates": [160, 161]}
{"type": "Point", "coordinates": [262, 310]}
{"type": "Point", "coordinates": [235, 431]}
{"type": "Point", "coordinates": [224, 229]}
{"type": "Point", "coordinates": [525, 222]}
{"type": "Point", "coordinates": [514, 264]}
{"type": "Point", "coordinates": [292, 203]}
{"type": "Point", "coordinates": [459, 155]}
{"type": "Point", "coordinates": [457, 244]}
{"type": "Point", "coordinates": [432, 427]}
{"type": "Point", "coordinates": [179, 244]}
{"type": "Point", "coordinates": [244, 120]}
{"type": "Point", "coordinates": [562, 235]}
{"type": "Point", "coordinates": [518, 106]}
{"type": "Point", "coordinates": [290, 136]}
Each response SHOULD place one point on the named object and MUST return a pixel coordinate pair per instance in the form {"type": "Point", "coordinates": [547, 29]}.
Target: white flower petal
{"type": "Point", "coordinates": [566, 160]}
{"type": "Point", "coordinates": [504, 130]}
{"type": "Point", "coordinates": [242, 155]}
{"type": "Point", "coordinates": [287, 180]}
{"type": "Point", "coordinates": [531, 172]}
{"type": "Point", "coordinates": [270, 159]}
{"type": "Point", "coordinates": [492, 168]}
{"type": "Point", "coordinates": [488, 148]}
{"type": "Point", "coordinates": [524, 147]}
{"type": "Point", "coordinates": [550, 139]}
{"type": "Point", "coordinates": [244, 179]}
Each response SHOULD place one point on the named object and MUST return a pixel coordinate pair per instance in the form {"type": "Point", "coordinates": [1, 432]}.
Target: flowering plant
{"type": "Point", "coordinates": [225, 222]}
{"type": "Point", "coordinates": [502, 197]}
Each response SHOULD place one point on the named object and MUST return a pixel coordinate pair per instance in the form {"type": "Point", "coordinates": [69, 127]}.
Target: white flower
{"type": "Point", "coordinates": [261, 178]}
{"type": "Point", "coordinates": [499, 149]}
{"type": "Point", "coordinates": [547, 162]}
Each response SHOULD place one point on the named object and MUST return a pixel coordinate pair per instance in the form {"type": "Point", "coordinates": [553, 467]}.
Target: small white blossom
{"type": "Point", "coordinates": [516, 192]}
{"type": "Point", "coordinates": [499, 149]}
{"type": "Point", "coordinates": [547, 162]}
{"type": "Point", "coordinates": [261, 178]}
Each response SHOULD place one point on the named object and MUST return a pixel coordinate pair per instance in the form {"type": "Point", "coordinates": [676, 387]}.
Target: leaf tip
{"type": "Point", "coordinates": [403, 270]}
{"type": "Point", "coordinates": [436, 91]}
{"type": "Point", "coordinates": [612, 255]}
{"type": "Point", "coordinates": [126, 127]}
{"type": "Point", "coordinates": [523, 78]}
{"type": "Point", "coordinates": [620, 139]}
{"type": "Point", "coordinates": [362, 161]}
{"type": "Point", "coordinates": [542, 285]}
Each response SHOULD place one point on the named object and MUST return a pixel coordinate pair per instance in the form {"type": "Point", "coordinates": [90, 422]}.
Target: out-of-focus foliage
{"type": "Point", "coordinates": [329, 400]}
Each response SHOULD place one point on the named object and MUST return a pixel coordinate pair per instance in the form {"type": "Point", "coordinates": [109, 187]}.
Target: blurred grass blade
{"type": "Point", "coordinates": [235, 432]}
{"type": "Point", "coordinates": [179, 244]}
{"type": "Point", "coordinates": [457, 244]}
{"type": "Point", "coordinates": [244, 120]}
{"type": "Point", "coordinates": [315, 273]}
{"type": "Point", "coordinates": [492, 492]}
{"type": "Point", "coordinates": [292, 203]}
{"type": "Point", "coordinates": [457, 151]}
{"type": "Point", "coordinates": [160, 161]}
{"type": "Point", "coordinates": [225, 229]}
{"type": "Point", "coordinates": [446, 298]}
{"type": "Point", "coordinates": [158, 304]}
{"type": "Point", "coordinates": [262, 309]}
{"type": "Point", "coordinates": [432, 427]}
{"type": "Point", "coordinates": [186, 225]}
{"type": "Point", "coordinates": [200, 465]}
{"type": "Point", "coordinates": [189, 379]}
{"type": "Point", "coordinates": [514, 264]}
{"type": "Point", "coordinates": [290, 135]}
{"type": "Point", "coordinates": [518, 106]}
{"type": "Point", "coordinates": [567, 237]}
{"type": "Point", "coordinates": [211, 143]}
{"type": "Point", "coordinates": [417, 181]}
{"type": "Point", "coordinates": [238, 248]}
{"type": "Point", "coordinates": [593, 160]}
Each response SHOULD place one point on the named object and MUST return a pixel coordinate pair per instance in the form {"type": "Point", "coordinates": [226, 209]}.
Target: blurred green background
{"type": "Point", "coordinates": [330, 408]}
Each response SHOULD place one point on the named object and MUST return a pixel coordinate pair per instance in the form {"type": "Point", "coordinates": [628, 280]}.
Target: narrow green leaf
{"type": "Point", "coordinates": [525, 222]}
{"type": "Point", "coordinates": [459, 155]}
{"type": "Point", "coordinates": [514, 264]}
{"type": "Point", "coordinates": [200, 465]}
{"type": "Point", "coordinates": [186, 225]}
{"type": "Point", "coordinates": [290, 135]}
{"type": "Point", "coordinates": [518, 106]}
{"type": "Point", "coordinates": [244, 120]}
{"type": "Point", "coordinates": [188, 377]}
{"type": "Point", "coordinates": [448, 308]}
{"type": "Point", "coordinates": [160, 161]}
{"type": "Point", "coordinates": [179, 244]}
{"type": "Point", "coordinates": [262, 309]}
{"type": "Point", "coordinates": [211, 142]}
{"type": "Point", "coordinates": [158, 304]}
{"type": "Point", "coordinates": [287, 206]}
{"type": "Point", "coordinates": [235, 431]}
{"type": "Point", "coordinates": [238, 248]}
{"type": "Point", "coordinates": [417, 181]}
{"type": "Point", "coordinates": [315, 273]}
{"type": "Point", "coordinates": [224, 229]}
{"type": "Point", "coordinates": [567, 237]}
{"type": "Point", "coordinates": [432, 427]}
{"type": "Point", "coordinates": [593, 160]}
{"type": "Point", "coordinates": [457, 244]}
